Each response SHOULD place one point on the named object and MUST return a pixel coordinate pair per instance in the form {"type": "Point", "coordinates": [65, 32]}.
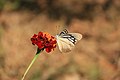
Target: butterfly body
{"type": "Point", "coordinates": [66, 41]}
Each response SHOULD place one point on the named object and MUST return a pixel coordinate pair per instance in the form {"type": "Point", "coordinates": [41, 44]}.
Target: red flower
{"type": "Point", "coordinates": [44, 41]}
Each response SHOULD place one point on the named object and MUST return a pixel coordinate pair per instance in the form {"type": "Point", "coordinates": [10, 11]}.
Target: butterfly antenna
{"type": "Point", "coordinates": [58, 28]}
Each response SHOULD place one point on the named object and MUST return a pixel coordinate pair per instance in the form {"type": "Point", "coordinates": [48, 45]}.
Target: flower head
{"type": "Point", "coordinates": [44, 41]}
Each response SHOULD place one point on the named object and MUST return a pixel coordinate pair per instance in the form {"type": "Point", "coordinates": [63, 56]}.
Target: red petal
{"type": "Point", "coordinates": [34, 35]}
{"type": "Point", "coordinates": [48, 50]}
{"type": "Point", "coordinates": [40, 34]}
{"type": "Point", "coordinates": [40, 45]}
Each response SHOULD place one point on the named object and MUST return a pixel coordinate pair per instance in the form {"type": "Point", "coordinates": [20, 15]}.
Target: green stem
{"type": "Point", "coordinates": [35, 57]}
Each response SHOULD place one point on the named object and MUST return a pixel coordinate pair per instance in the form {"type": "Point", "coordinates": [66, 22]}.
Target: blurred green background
{"type": "Point", "coordinates": [95, 57]}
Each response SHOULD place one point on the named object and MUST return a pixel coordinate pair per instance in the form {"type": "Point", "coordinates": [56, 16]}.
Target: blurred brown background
{"type": "Point", "coordinates": [95, 57]}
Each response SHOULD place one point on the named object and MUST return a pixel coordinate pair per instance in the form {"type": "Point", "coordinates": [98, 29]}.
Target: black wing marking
{"type": "Point", "coordinates": [70, 38]}
{"type": "Point", "coordinates": [63, 32]}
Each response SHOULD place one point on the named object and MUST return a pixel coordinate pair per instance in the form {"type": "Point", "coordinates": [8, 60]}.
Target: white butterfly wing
{"type": "Point", "coordinates": [77, 36]}
{"type": "Point", "coordinates": [64, 44]}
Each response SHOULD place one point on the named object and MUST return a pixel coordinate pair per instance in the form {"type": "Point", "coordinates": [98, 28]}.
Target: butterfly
{"type": "Point", "coordinates": [66, 41]}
